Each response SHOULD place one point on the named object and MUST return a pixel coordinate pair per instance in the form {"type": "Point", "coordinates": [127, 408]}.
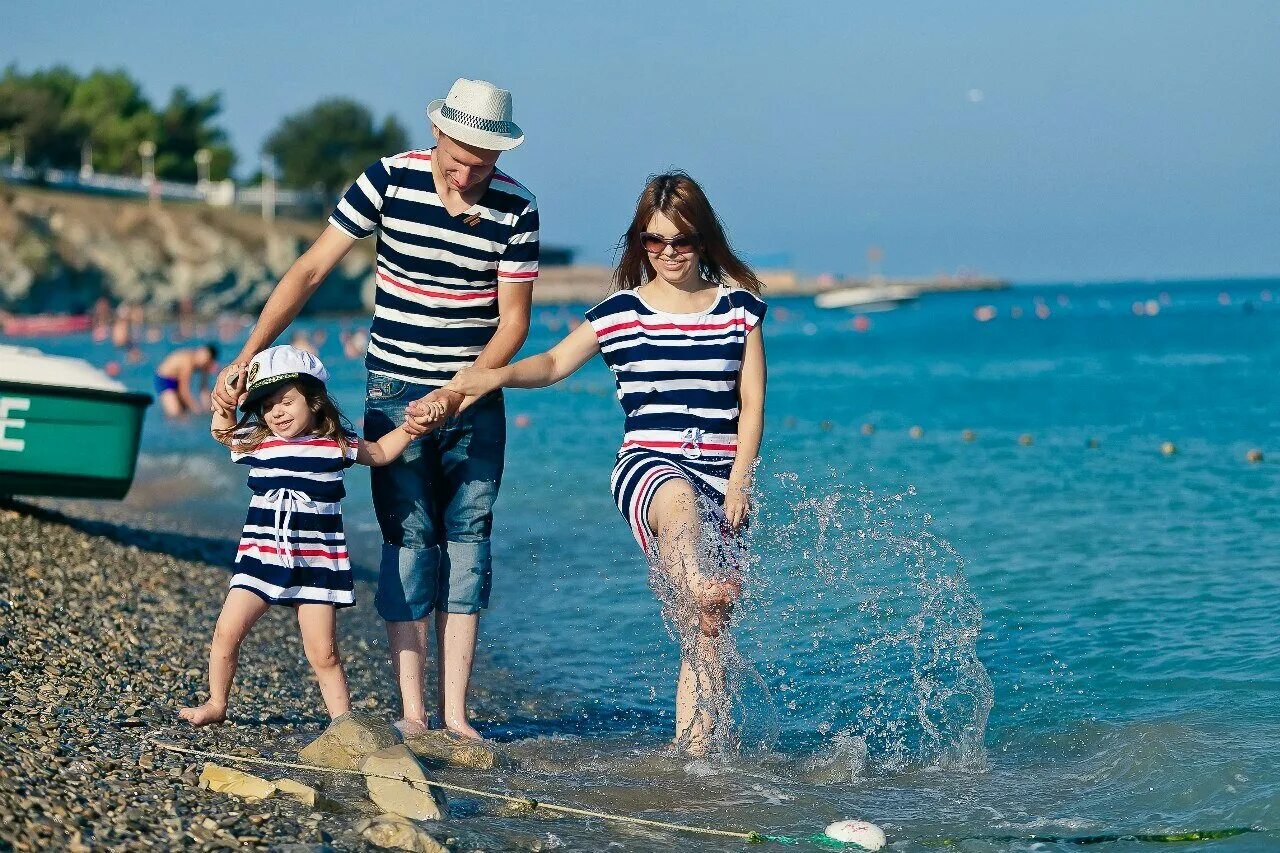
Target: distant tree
{"type": "Point", "coordinates": [332, 142]}
{"type": "Point", "coordinates": [116, 117]}
{"type": "Point", "coordinates": [186, 126]}
{"type": "Point", "coordinates": [55, 111]}
{"type": "Point", "coordinates": [33, 114]}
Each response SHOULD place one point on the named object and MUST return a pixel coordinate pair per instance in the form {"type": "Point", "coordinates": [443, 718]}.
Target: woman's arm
{"type": "Point", "coordinates": [536, 371]}
{"type": "Point", "coordinates": [751, 386]}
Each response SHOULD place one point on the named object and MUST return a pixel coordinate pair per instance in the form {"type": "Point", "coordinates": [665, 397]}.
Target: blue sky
{"type": "Point", "coordinates": [1037, 141]}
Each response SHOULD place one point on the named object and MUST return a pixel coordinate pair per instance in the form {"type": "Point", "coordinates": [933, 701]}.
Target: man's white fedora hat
{"type": "Point", "coordinates": [478, 113]}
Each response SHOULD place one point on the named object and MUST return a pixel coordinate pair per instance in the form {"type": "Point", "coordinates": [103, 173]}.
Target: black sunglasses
{"type": "Point", "coordinates": [655, 244]}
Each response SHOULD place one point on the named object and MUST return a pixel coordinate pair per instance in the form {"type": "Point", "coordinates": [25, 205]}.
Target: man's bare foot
{"type": "Point", "coordinates": [205, 715]}
{"type": "Point", "coordinates": [411, 728]}
{"type": "Point", "coordinates": [463, 729]}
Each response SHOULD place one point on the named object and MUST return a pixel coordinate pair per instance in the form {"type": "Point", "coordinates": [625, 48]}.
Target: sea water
{"type": "Point", "coordinates": [1042, 627]}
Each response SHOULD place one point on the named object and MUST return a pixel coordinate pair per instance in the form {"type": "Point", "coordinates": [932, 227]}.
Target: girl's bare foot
{"type": "Point", "coordinates": [411, 728]}
{"type": "Point", "coordinates": [204, 715]}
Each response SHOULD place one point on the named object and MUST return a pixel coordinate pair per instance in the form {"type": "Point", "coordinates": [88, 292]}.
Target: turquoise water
{"type": "Point", "coordinates": [952, 638]}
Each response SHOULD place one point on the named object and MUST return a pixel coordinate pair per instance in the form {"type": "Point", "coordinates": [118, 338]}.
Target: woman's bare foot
{"type": "Point", "coordinates": [411, 728]}
{"type": "Point", "coordinates": [206, 714]}
{"type": "Point", "coordinates": [463, 729]}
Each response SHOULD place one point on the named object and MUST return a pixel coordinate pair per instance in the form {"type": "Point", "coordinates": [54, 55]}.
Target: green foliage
{"type": "Point", "coordinates": [331, 143]}
{"type": "Point", "coordinates": [55, 112]}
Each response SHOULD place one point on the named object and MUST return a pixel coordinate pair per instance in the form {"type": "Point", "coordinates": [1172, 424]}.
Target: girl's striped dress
{"type": "Point", "coordinates": [293, 549]}
{"type": "Point", "coordinates": [677, 378]}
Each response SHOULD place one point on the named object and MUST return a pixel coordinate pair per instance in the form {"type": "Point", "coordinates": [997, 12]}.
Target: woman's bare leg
{"type": "Point", "coordinates": [700, 607]}
{"type": "Point", "coordinates": [239, 613]}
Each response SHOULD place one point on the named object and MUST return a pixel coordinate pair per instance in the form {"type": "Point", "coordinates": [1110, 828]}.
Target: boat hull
{"type": "Point", "coordinates": [68, 442]}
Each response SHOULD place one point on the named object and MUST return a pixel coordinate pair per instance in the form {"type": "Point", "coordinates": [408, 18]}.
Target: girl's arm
{"type": "Point", "coordinates": [224, 420]}
{"type": "Point", "coordinates": [385, 450]}
{"type": "Point", "coordinates": [751, 385]}
{"type": "Point", "coordinates": [536, 371]}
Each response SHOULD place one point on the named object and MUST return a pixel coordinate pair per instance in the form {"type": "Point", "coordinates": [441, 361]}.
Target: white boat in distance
{"type": "Point", "coordinates": [868, 299]}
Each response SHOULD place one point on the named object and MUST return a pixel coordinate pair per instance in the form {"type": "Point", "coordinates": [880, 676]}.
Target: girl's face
{"type": "Point", "coordinates": [673, 267]}
{"type": "Point", "coordinates": [287, 413]}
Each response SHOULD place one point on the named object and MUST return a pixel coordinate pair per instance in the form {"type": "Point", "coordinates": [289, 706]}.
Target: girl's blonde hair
{"type": "Point", "coordinates": [251, 430]}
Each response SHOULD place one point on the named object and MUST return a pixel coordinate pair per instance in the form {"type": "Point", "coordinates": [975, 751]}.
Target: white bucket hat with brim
{"type": "Point", "coordinates": [477, 113]}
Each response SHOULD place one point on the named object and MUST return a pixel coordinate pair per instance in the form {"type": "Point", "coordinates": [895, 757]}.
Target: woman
{"type": "Point", "coordinates": [682, 336]}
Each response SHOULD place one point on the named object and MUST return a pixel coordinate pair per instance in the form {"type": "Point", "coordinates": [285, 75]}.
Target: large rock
{"type": "Point", "coordinates": [444, 746]}
{"type": "Point", "coordinates": [294, 789]}
{"type": "Point", "coordinates": [224, 780]}
{"type": "Point", "coordinates": [394, 831]}
{"type": "Point", "coordinates": [399, 785]}
{"type": "Point", "coordinates": [348, 740]}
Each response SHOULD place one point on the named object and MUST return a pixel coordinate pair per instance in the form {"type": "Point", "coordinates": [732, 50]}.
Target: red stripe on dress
{"type": "Point", "coordinates": [439, 294]}
{"type": "Point", "coordinates": [641, 526]}
{"type": "Point", "coordinates": [310, 442]}
{"type": "Point", "coordinates": [530, 274]}
{"type": "Point", "coordinates": [736, 321]}
{"type": "Point", "coordinates": [290, 552]}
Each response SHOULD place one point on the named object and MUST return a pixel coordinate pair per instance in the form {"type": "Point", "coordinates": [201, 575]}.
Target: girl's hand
{"type": "Point", "coordinates": [428, 413]}
{"type": "Point", "coordinates": [475, 381]}
{"type": "Point", "coordinates": [737, 501]}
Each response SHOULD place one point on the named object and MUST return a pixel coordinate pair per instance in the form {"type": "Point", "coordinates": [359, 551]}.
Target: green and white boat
{"type": "Point", "coordinates": [66, 428]}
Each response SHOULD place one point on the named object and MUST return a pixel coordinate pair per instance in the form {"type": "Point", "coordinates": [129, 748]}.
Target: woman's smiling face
{"type": "Point", "coordinates": [287, 413]}
{"type": "Point", "coordinates": [671, 266]}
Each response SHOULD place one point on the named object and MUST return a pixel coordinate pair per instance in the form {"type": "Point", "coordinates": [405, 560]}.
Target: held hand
{"type": "Point", "coordinates": [475, 381]}
{"type": "Point", "coordinates": [424, 415]}
{"type": "Point", "coordinates": [229, 387]}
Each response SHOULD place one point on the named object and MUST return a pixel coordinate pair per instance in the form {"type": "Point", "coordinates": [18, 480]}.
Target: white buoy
{"type": "Point", "coordinates": [859, 832]}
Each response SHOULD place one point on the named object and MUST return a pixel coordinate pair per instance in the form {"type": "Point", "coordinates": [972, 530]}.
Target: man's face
{"type": "Point", "coordinates": [463, 166]}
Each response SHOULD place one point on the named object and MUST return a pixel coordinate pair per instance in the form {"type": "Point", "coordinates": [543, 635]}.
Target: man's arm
{"type": "Point", "coordinates": [514, 307]}
{"type": "Point", "coordinates": [286, 300]}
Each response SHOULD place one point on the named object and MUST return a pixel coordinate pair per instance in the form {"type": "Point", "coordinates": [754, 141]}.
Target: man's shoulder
{"type": "Point", "coordinates": [504, 183]}
{"type": "Point", "coordinates": [417, 159]}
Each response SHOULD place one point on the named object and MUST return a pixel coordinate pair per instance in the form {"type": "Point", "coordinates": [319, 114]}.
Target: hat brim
{"type": "Point", "coordinates": [486, 139]}
{"type": "Point", "coordinates": [264, 389]}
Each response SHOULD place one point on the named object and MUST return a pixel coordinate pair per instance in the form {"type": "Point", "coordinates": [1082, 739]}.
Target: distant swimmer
{"type": "Point", "coordinates": [174, 374]}
{"type": "Point", "coordinates": [301, 340]}
{"type": "Point", "coordinates": [354, 342]}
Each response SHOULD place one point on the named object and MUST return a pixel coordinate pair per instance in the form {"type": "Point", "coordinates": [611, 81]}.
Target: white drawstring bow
{"type": "Point", "coordinates": [691, 443]}
{"type": "Point", "coordinates": [284, 501]}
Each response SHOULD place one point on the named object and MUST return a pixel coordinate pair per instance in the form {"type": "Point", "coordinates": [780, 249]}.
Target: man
{"type": "Point", "coordinates": [457, 255]}
{"type": "Point", "coordinates": [174, 374]}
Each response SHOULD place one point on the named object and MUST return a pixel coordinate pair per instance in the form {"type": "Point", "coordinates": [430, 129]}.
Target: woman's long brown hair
{"type": "Point", "coordinates": [679, 198]}
{"type": "Point", "coordinates": [329, 422]}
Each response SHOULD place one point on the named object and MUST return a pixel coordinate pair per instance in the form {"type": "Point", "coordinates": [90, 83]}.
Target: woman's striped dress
{"type": "Point", "coordinates": [293, 549]}
{"type": "Point", "coordinates": [677, 380]}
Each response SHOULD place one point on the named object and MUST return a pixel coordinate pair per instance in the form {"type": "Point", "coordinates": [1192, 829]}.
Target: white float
{"type": "Point", "coordinates": [859, 832]}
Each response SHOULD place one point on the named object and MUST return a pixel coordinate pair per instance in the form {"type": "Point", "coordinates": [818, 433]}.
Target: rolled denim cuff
{"type": "Point", "coordinates": [407, 582]}
{"type": "Point", "coordinates": [465, 578]}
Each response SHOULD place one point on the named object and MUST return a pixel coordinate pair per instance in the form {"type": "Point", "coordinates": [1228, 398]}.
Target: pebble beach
{"type": "Point", "coordinates": [104, 636]}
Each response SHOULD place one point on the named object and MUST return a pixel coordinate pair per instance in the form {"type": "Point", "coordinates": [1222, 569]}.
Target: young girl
{"type": "Point", "coordinates": [682, 336]}
{"type": "Point", "coordinates": [293, 550]}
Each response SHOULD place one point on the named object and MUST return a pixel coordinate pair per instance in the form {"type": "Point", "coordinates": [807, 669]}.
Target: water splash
{"type": "Point", "coordinates": [870, 628]}
{"type": "Point", "coordinates": [861, 619]}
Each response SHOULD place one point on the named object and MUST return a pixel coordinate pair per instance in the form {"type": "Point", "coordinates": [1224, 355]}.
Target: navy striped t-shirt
{"type": "Point", "coordinates": [437, 275]}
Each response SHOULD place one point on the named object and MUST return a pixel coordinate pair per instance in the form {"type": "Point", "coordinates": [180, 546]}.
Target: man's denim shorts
{"type": "Point", "coordinates": [435, 504]}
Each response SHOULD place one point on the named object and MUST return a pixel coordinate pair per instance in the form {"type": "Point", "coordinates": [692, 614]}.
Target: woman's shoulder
{"type": "Point", "coordinates": [740, 297]}
{"type": "Point", "coordinates": [619, 300]}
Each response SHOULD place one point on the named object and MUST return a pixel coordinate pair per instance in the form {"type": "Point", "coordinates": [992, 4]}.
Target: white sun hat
{"type": "Point", "coordinates": [478, 113]}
